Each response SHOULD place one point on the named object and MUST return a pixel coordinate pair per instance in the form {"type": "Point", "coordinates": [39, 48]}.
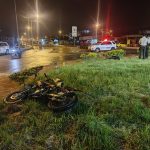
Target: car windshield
{"type": "Point", "coordinates": [3, 44]}
{"type": "Point", "coordinates": [98, 42]}
{"type": "Point", "coordinates": [106, 43]}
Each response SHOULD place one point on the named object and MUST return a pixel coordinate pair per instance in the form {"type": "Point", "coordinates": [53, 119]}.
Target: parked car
{"type": "Point", "coordinates": [102, 46]}
{"type": "Point", "coordinates": [90, 47]}
{"type": "Point", "coordinates": [4, 48]}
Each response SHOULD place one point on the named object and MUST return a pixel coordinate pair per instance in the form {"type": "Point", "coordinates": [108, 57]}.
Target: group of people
{"type": "Point", "coordinates": [144, 47]}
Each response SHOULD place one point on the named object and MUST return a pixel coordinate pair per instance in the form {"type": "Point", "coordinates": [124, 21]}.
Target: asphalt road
{"type": "Point", "coordinates": [31, 58]}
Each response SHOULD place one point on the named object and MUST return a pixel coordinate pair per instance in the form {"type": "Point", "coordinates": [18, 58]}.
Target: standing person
{"type": "Point", "coordinates": [143, 46]}
{"type": "Point", "coordinates": [148, 46]}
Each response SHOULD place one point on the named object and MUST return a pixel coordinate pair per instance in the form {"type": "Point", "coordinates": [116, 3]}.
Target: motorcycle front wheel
{"type": "Point", "coordinates": [15, 97]}
{"type": "Point", "coordinates": [68, 103]}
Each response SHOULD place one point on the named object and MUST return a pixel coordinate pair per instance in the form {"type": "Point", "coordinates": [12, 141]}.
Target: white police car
{"type": "Point", "coordinates": [102, 46]}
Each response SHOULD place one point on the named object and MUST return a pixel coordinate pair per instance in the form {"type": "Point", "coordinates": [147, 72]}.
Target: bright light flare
{"type": "Point", "coordinates": [28, 28]}
{"type": "Point", "coordinates": [37, 16]}
{"type": "Point", "coordinates": [60, 32]}
{"type": "Point", "coordinates": [97, 25]}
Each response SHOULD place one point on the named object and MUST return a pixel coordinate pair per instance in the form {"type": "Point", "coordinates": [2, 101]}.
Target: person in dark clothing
{"type": "Point", "coordinates": [148, 46]}
{"type": "Point", "coordinates": [143, 47]}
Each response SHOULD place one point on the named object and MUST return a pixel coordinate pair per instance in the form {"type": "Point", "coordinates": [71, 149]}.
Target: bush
{"type": "Point", "coordinates": [120, 53]}
{"type": "Point", "coordinates": [83, 56]}
{"type": "Point", "coordinates": [89, 55]}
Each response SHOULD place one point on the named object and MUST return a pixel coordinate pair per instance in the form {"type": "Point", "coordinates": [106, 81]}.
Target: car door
{"type": "Point", "coordinates": [103, 46]}
{"type": "Point", "coordinates": [108, 46]}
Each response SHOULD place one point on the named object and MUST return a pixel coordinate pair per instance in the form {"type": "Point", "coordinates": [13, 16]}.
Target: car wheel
{"type": "Point", "coordinates": [97, 49]}
{"type": "Point", "coordinates": [112, 48]}
{"type": "Point", "coordinates": [7, 51]}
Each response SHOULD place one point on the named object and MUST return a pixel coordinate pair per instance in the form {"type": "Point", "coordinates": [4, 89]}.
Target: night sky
{"type": "Point", "coordinates": [122, 16]}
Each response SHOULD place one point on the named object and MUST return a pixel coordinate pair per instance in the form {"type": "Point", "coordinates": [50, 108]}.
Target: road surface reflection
{"type": "Point", "coordinates": [32, 58]}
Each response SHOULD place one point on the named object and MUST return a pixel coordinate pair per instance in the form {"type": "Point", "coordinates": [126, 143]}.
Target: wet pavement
{"type": "Point", "coordinates": [51, 58]}
{"type": "Point", "coordinates": [35, 57]}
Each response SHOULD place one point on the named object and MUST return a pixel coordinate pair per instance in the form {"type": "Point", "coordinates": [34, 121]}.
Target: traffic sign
{"type": "Point", "coordinates": [74, 31]}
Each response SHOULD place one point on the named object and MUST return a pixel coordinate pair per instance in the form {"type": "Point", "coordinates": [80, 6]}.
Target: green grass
{"type": "Point", "coordinates": [114, 115]}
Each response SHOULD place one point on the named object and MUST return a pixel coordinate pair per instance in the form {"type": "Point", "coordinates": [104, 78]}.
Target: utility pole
{"type": "Point", "coordinates": [17, 26]}
{"type": "Point", "coordinates": [97, 19]}
{"type": "Point", "coordinates": [37, 19]}
{"type": "Point", "coordinates": [31, 32]}
{"type": "Point", "coordinates": [28, 30]}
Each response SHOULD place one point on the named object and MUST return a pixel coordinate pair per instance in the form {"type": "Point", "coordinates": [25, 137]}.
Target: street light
{"type": "Point", "coordinates": [28, 28]}
{"type": "Point", "coordinates": [37, 16]}
{"type": "Point", "coordinates": [98, 15]}
{"type": "Point", "coordinates": [97, 27]}
{"type": "Point", "coordinates": [17, 26]}
{"type": "Point", "coordinates": [60, 32]}
{"type": "Point", "coordinates": [37, 19]}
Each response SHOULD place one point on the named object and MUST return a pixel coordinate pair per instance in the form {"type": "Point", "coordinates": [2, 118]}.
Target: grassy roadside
{"type": "Point", "coordinates": [116, 117]}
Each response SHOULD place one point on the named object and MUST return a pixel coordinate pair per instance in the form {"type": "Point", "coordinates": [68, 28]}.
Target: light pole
{"type": "Point", "coordinates": [60, 36]}
{"type": "Point", "coordinates": [28, 33]}
{"type": "Point", "coordinates": [17, 26]}
{"type": "Point", "coordinates": [32, 33]}
{"type": "Point", "coordinates": [29, 28]}
{"type": "Point", "coordinates": [37, 19]}
{"type": "Point", "coordinates": [60, 32]}
{"type": "Point", "coordinates": [97, 27]}
{"type": "Point", "coordinates": [97, 22]}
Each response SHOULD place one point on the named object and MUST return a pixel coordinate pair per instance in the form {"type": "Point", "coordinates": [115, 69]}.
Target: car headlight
{"type": "Point", "coordinates": [89, 47]}
{"type": "Point", "coordinates": [13, 50]}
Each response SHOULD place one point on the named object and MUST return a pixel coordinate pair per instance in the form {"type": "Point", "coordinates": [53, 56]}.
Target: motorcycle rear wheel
{"type": "Point", "coordinates": [69, 102]}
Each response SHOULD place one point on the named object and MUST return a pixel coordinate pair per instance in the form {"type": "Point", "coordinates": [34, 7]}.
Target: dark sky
{"type": "Point", "coordinates": [120, 15]}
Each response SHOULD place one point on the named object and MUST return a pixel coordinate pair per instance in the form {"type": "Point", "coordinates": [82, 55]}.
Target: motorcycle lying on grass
{"type": "Point", "coordinates": [58, 97]}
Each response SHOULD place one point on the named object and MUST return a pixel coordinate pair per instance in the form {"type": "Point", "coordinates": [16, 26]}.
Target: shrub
{"type": "Point", "coordinates": [83, 56]}
{"type": "Point", "coordinates": [120, 53]}
{"type": "Point", "coordinates": [89, 56]}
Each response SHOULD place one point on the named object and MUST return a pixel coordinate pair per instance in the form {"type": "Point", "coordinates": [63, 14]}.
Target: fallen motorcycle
{"type": "Point", "coordinates": [58, 97]}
